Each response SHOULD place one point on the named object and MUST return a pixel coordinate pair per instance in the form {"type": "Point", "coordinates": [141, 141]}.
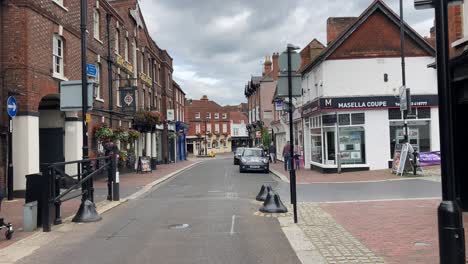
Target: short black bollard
{"type": "Point", "coordinates": [273, 204]}
{"type": "Point", "coordinates": [262, 195]}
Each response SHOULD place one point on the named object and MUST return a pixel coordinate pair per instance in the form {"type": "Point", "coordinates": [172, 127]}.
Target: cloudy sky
{"type": "Point", "coordinates": [217, 45]}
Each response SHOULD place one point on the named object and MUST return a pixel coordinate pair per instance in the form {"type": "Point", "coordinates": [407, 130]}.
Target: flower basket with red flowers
{"type": "Point", "coordinates": [102, 132]}
{"type": "Point", "coordinates": [146, 121]}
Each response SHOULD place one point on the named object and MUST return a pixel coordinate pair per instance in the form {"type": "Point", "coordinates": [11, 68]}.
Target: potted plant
{"type": "Point", "coordinates": [121, 134]}
{"type": "Point", "coordinates": [146, 121]}
{"type": "Point", "coordinates": [133, 135]}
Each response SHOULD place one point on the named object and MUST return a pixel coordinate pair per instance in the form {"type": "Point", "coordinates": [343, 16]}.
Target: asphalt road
{"type": "Point", "coordinates": [204, 215]}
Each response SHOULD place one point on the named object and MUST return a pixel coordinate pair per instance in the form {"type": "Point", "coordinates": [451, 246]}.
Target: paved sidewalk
{"type": "Point", "coordinates": [129, 184]}
{"type": "Point", "coordinates": [307, 176]}
{"type": "Point", "coordinates": [392, 232]}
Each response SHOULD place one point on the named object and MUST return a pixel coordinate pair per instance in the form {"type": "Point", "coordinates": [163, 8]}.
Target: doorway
{"type": "Point", "coordinates": [330, 147]}
{"type": "Point", "coordinates": [51, 145]}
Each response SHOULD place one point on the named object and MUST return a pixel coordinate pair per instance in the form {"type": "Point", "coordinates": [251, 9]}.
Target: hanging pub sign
{"type": "Point", "coordinates": [128, 99]}
{"type": "Point", "coordinates": [144, 164]}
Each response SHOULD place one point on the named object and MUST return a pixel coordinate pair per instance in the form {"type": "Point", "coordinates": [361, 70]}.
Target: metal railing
{"type": "Point", "coordinates": [59, 187]}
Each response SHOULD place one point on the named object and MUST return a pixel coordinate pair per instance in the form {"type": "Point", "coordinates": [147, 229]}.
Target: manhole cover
{"type": "Point", "coordinates": [422, 244]}
{"type": "Point", "coordinates": [179, 226]}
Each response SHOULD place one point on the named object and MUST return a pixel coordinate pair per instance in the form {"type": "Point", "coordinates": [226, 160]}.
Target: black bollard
{"type": "Point", "coordinates": [273, 204]}
{"type": "Point", "coordinates": [262, 195]}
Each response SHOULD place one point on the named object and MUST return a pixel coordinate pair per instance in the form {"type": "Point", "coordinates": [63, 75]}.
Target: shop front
{"type": "Point", "coordinates": [361, 133]}
{"type": "Point", "coordinates": [181, 129]}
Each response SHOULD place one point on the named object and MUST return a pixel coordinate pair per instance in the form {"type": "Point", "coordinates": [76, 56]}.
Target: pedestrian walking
{"type": "Point", "coordinates": [272, 151]}
{"type": "Point", "coordinates": [286, 156]}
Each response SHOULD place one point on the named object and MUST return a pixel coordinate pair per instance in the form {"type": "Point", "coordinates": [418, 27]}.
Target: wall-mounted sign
{"type": "Point", "coordinates": [146, 79]}
{"type": "Point", "coordinates": [12, 106]}
{"type": "Point", "coordinates": [279, 105]}
{"type": "Point", "coordinates": [91, 70]}
{"type": "Point", "coordinates": [127, 66]}
{"type": "Point", "coordinates": [376, 102]}
{"type": "Point", "coordinates": [71, 96]}
{"type": "Point", "coordinates": [128, 99]}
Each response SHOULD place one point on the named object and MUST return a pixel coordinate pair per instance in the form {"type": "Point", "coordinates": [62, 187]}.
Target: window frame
{"type": "Point", "coordinates": [197, 115]}
{"type": "Point", "coordinates": [117, 41]}
{"type": "Point", "coordinates": [58, 53]}
{"type": "Point", "coordinates": [97, 24]}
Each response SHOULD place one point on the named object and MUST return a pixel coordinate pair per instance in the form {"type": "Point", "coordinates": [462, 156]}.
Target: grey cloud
{"type": "Point", "coordinates": [187, 29]}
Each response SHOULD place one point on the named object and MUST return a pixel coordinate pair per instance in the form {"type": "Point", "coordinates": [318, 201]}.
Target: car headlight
{"type": "Point", "coordinates": [265, 160]}
{"type": "Point", "coordinates": [243, 160]}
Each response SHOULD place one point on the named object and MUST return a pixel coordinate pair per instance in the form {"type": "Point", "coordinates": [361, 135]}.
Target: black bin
{"type": "Point", "coordinates": [154, 162]}
{"type": "Point", "coordinates": [33, 193]}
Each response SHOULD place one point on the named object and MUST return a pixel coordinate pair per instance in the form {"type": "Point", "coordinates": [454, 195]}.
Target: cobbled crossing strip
{"type": "Point", "coordinates": [333, 241]}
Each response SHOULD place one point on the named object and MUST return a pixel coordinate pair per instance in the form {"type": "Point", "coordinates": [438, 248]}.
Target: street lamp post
{"type": "Point", "coordinates": [403, 73]}
{"type": "Point", "coordinates": [292, 171]}
{"type": "Point", "coordinates": [87, 211]}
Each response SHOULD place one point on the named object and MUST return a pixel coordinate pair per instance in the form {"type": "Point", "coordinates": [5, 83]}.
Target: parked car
{"type": "Point", "coordinates": [237, 155]}
{"type": "Point", "coordinates": [253, 159]}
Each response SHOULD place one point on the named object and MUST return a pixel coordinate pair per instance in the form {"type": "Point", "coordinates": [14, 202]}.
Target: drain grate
{"type": "Point", "coordinates": [179, 226]}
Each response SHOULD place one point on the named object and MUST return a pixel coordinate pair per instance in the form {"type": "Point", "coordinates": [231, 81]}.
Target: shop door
{"type": "Point", "coordinates": [330, 147]}
{"type": "Point", "coordinates": [51, 145]}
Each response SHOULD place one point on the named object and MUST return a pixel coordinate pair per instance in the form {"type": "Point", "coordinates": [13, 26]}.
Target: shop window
{"type": "Point", "coordinates": [352, 145]}
{"type": "Point", "coordinates": [344, 120]}
{"type": "Point", "coordinates": [328, 120]}
{"type": "Point", "coordinates": [419, 135]}
{"type": "Point", "coordinates": [316, 146]}
{"type": "Point", "coordinates": [424, 113]}
{"type": "Point", "coordinates": [358, 119]}
{"type": "Point", "coordinates": [394, 114]}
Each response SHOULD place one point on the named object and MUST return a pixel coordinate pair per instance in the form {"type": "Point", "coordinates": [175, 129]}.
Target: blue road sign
{"type": "Point", "coordinates": [91, 70]}
{"type": "Point", "coordinates": [12, 106]}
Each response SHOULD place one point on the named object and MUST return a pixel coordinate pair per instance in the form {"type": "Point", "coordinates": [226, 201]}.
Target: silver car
{"type": "Point", "coordinates": [253, 159]}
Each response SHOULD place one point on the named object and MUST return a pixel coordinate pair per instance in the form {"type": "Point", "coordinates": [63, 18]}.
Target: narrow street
{"type": "Point", "coordinates": [213, 199]}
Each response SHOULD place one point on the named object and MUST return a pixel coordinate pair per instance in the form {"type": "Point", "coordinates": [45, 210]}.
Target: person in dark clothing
{"type": "Point", "coordinates": [286, 156]}
{"type": "Point", "coordinates": [272, 151]}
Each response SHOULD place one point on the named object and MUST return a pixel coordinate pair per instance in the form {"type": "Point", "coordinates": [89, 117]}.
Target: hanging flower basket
{"type": "Point", "coordinates": [210, 134]}
{"type": "Point", "coordinates": [225, 134]}
{"type": "Point", "coordinates": [121, 134]}
{"type": "Point", "coordinates": [222, 140]}
{"type": "Point", "coordinates": [198, 134]}
{"type": "Point", "coordinates": [102, 132]}
{"type": "Point", "coordinates": [133, 135]}
{"type": "Point", "coordinates": [146, 121]}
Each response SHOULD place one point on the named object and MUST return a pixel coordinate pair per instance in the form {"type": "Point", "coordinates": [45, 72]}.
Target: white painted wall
{"type": "Point", "coordinates": [242, 129]}
{"type": "Point", "coordinates": [377, 134]}
{"type": "Point", "coordinates": [364, 77]}
{"type": "Point", "coordinates": [73, 144]}
{"type": "Point", "coordinates": [435, 134]}
{"type": "Point", "coordinates": [25, 149]}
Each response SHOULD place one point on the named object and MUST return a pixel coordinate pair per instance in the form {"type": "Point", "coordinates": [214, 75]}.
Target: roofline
{"type": "Point", "coordinates": [377, 5]}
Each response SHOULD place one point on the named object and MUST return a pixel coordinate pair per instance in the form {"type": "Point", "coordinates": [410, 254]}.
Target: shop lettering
{"type": "Point", "coordinates": [363, 104]}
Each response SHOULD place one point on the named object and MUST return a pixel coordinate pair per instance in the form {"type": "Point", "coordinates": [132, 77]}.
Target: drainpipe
{"type": "Point", "coordinates": [109, 69]}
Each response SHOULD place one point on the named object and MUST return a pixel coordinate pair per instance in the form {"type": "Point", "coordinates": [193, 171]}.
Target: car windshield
{"type": "Point", "coordinates": [239, 151]}
{"type": "Point", "coordinates": [253, 153]}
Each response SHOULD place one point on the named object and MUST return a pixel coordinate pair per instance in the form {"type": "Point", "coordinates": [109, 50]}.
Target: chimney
{"type": "Point", "coordinates": [311, 51]}
{"type": "Point", "coordinates": [267, 66]}
{"type": "Point", "coordinates": [275, 66]}
{"type": "Point", "coordinates": [204, 98]}
{"type": "Point", "coordinates": [337, 25]}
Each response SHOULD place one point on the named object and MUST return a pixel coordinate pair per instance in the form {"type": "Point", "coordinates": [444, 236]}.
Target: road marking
{"type": "Point", "coordinates": [232, 224]}
{"type": "Point", "coordinates": [382, 200]}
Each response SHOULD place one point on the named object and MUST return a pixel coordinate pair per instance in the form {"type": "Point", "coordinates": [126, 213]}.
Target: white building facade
{"type": "Point", "coordinates": [351, 103]}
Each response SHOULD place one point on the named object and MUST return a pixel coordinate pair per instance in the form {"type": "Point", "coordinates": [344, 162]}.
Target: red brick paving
{"type": "Point", "coordinates": [306, 176]}
{"type": "Point", "coordinates": [391, 228]}
{"type": "Point", "coordinates": [12, 211]}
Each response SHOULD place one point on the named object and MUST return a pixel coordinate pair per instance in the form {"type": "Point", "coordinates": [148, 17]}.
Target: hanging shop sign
{"type": "Point", "coordinates": [128, 99]}
{"type": "Point", "coordinates": [310, 108]}
{"type": "Point", "coordinates": [170, 115]}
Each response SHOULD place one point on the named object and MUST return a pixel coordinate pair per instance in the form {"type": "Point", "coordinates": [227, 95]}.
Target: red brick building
{"type": "Point", "coordinates": [209, 126]}
{"type": "Point", "coordinates": [40, 47]}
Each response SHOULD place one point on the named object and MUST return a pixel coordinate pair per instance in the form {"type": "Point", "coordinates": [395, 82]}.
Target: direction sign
{"type": "Point", "coordinates": [91, 70]}
{"type": "Point", "coordinates": [12, 106]}
{"type": "Point", "coordinates": [295, 61]}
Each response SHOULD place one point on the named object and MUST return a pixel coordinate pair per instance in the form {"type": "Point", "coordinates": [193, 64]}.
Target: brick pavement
{"type": "Point", "coordinates": [372, 232]}
{"type": "Point", "coordinates": [132, 182]}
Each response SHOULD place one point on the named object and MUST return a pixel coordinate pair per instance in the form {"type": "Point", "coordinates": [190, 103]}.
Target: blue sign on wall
{"type": "Point", "coordinates": [12, 106]}
{"type": "Point", "coordinates": [91, 70]}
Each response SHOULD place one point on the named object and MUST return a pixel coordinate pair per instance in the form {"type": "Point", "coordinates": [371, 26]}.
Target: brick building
{"type": "Point", "coordinates": [180, 125]}
{"type": "Point", "coordinates": [40, 47]}
{"type": "Point", "coordinates": [259, 92]}
{"type": "Point", "coordinates": [209, 126]}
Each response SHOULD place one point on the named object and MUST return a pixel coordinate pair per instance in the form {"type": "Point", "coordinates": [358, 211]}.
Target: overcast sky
{"type": "Point", "coordinates": [217, 45]}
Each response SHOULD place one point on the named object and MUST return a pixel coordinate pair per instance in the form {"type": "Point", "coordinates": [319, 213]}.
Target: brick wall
{"type": "Point", "coordinates": [336, 26]}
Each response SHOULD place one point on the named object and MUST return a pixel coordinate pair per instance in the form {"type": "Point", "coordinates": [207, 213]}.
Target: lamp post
{"type": "Point", "coordinates": [450, 221]}
{"type": "Point", "coordinates": [292, 171]}
{"type": "Point", "coordinates": [403, 73]}
{"type": "Point", "coordinates": [87, 211]}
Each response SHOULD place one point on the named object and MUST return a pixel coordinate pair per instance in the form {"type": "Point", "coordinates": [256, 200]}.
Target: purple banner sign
{"type": "Point", "coordinates": [429, 158]}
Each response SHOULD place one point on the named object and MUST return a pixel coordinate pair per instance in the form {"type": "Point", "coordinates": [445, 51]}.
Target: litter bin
{"type": "Point", "coordinates": [154, 162]}
{"type": "Point", "coordinates": [33, 193]}
{"type": "Point", "coordinates": [30, 216]}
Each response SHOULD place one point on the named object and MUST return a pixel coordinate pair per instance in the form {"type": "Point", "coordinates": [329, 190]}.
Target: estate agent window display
{"type": "Point", "coordinates": [351, 142]}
